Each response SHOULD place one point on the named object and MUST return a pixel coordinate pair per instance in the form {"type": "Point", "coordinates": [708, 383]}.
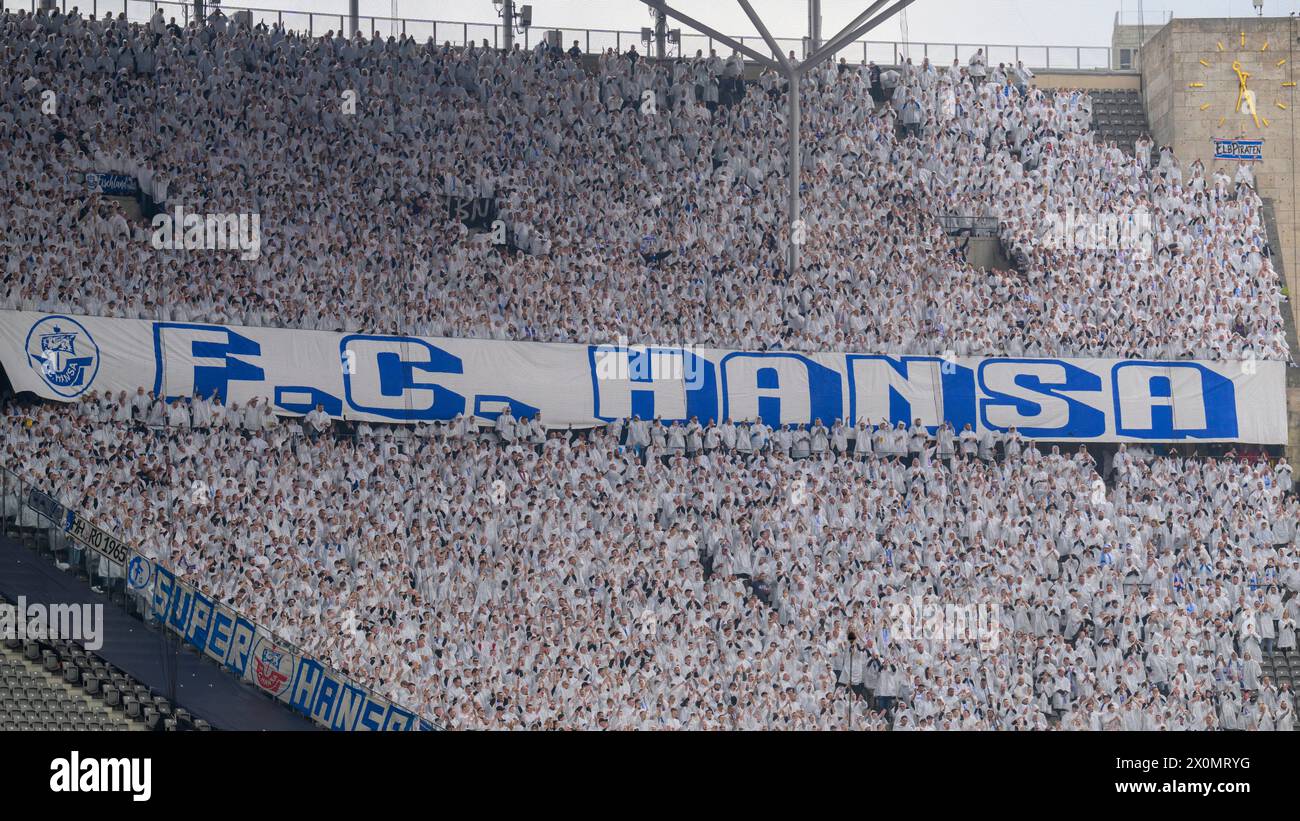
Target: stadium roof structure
{"type": "Point", "coordinates": [792, 71]}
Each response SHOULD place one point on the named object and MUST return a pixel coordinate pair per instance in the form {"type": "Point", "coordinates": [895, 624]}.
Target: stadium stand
{"type": "Point", "coordinates": [747, 594]}
{"type": "Point", "coordinates": [595, 198]}
{"type": "Point", "coordinates": [57, 685]}
{"type": "Point", "coordinates": [645, 575]}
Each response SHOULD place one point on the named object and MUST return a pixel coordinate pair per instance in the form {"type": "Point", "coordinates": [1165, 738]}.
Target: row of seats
{"type": "Point", "coordinates": [1283, 668]}
{"type": "Point", "coordinates": [1118, 115]}
{"type": "Point", "coordinates": [30, 699]}
{"type": "Point", "coordinates": [55, 684]}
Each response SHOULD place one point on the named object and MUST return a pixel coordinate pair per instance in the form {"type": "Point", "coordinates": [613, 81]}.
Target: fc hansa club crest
{"type": "Point", "coordinates": [272, 667]}
{"type": "Point", "coordinates": [62, 351]}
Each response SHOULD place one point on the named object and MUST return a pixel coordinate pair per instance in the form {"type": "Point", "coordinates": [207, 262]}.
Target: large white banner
{"type": "Point", "coordinates": [407, 379]}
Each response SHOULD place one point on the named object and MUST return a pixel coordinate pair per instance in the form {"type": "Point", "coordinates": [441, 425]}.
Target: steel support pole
{"type": "Point", "coordinates": [354, 16]}
{"type": "Point", "coordinates": [712, 34]}
{"type": "Point", "coordinates": [818, 52]}
{"type": "Point", "coordinates": [849, 707]}
{"type": "Point", "coordinates": [661, 34]}
{"type": "Point", "coordinates": [508, 24]}
{"type": "Point", "coordinates": [848, 35]}
{"type": "Point", "coordinates": [777, 54]}
{"type": "Point", "coordinates": [793, 215]}
{"type": "Point", "coordinates": [842, 38]}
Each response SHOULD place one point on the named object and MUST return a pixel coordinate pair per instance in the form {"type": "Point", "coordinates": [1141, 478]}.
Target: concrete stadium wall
{"type": "Point", "coordinates": [1088, 79]}
{"type": "Point", "coordinates": [1189, 118]}
{"type": "Point", "coordinates": [1190, 103]}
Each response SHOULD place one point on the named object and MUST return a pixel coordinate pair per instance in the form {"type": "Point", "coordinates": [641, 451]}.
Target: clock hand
{"type": "Point", "coordinates": [1241, 81]}
{"type": "Point", "coordinates": [1250, 104]}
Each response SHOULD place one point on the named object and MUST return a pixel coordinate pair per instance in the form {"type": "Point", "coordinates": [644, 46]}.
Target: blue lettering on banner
{"type": "Point", "coordinates": [182, 600]}
{"type": "Point", "coordinates": [518, 410]}
{"type": "Point", "coordinates": [351, 701]}
{"type": "Point", "coordinates": [231, 640]}
{"type": "Point", "coordinates": [1144, 392]}
{"type": "Point", "coordinates": [387, 373]}
{"type": "Point", "coordinates": [326, 697]}
{"type": "Point", "coordinates": [206, 378]}
{"type": "Point", "coordinates": [241, 644]}
{"type": "Point", "coordinates": [305, 680]}
{"type": "Point", "coordinates": [372, 715]}
{"type": "Point", "coordinates": [640, 381]}
{"type": "Point", "coordinates": [197, 633]}
{"type": "Point", "coordinates": [1238, 149]}
{"type": "Point", "coordinates": [219, 635]}
{"type": "Point", "coordinates": [113, 185]}
{"type": "Point", "coordinates": [1034, 394]}
{"type": "Point", "coordinates": [398, 719]}
{"type": "Point", "coordinates": [327, 691]}
{"type": "Point", "coordinates": [313, 397]}
{"type": "Point", "coordinates": [164, 581]}
{"type": "Point", "coordinates": [953, 400]}
{"type": "Point", "coordinates": [408, 379]}
{"type": "Point", "coordinates": [822, 389]}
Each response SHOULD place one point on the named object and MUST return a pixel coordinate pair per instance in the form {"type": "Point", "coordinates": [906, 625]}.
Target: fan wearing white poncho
{"type": "Point", "coordinates": [689, 200]}
{"type": "Point", "coordinates": [509, 591]}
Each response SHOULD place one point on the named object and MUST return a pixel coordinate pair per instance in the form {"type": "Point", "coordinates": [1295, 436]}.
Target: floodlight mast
{"type": "Point", "coordinates": [792, 72]}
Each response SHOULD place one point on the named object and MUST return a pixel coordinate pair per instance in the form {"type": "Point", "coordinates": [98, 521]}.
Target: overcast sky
{"type": "Point", "coordinates": [1013, 22]}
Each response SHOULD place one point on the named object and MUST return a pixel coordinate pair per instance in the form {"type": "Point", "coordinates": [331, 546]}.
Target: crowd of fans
{"type": "Point", "coordinates": [642, 575]}
{"type": "Point", "coordinates": [687, 201]}
{"type": "Point", "coordinates": [488, 577]}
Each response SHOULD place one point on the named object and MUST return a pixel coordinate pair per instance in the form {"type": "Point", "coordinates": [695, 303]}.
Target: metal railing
{"type": "Point", "coordinates": [596, 41]}
{"type": "Point", "coordinates": [966, 224]}
{"type": "Point", "coordinates": [17, 516]}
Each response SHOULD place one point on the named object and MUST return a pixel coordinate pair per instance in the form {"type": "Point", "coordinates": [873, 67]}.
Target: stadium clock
{"type": "Point", "coordinates": [1239, 63]}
